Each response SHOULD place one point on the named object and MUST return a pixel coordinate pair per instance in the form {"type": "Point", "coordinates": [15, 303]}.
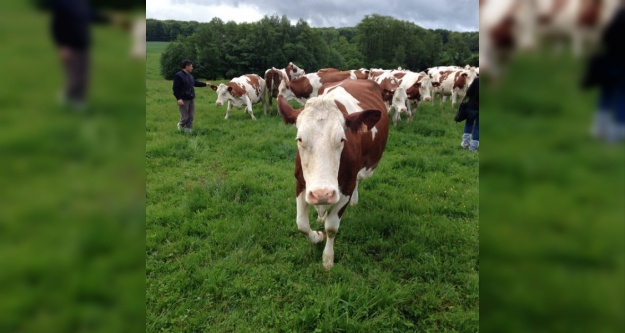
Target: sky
{"type": "Point", "coordinates": [456, 15]}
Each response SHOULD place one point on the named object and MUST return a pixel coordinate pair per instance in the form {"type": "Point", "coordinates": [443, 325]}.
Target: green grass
{"type": "Point", "coordinates": [72, 185]}
{"type": "Point", "coordinates": [223, 252]}
{"type": "Point", "coordinates": [551, 205]}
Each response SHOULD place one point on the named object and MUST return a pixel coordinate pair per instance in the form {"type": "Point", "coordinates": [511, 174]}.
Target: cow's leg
{"type": "Point", "coordinates": [302, 220]}
{"type": "Point", "coordinates": [263, 99]}
{"type": "Point", "coordinates": [454, 96]}
{"type": "Point", "coordinates": [228, 110]}
{"type": "Point", "coordinates": [332, 228]}
{"type": "Point", "coordinates": [412, 112]}
{"type": "Point", "coordinates": [248, 107]}
{"type": "Point", "coordinates": [396, 117]}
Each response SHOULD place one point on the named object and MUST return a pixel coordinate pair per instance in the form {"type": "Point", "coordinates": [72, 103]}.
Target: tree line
{"type": "Point", "coordinates": [227, 49]}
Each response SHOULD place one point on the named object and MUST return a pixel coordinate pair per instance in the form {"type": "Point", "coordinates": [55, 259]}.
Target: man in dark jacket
{"type": "Point", "coordinates": [471, 136]}
{"type": "Point", "coordinates": [185, 93]}
{"type": "Point", "coordinates": [70, 27]}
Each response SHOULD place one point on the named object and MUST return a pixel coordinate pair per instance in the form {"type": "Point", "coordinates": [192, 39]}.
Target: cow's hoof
{"type": "Point", "coordinates": [327, 265]}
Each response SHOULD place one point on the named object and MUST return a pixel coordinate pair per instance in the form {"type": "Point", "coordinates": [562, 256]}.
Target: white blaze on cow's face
{"type": "Point", "coordinates": [320, 141]}
{"type": "Point", "coordinates": [399, 99]}
{"type": "Point", "coordinates": [223, 94]}
{"type": "Point", "coordinates": [426, 88]}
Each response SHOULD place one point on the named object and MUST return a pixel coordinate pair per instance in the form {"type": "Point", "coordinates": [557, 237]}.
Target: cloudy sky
{"type": "Point", "coordinates": [457, 15]}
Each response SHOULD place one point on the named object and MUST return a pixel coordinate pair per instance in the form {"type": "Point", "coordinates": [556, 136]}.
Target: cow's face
{"type": "Point", "coordinates": [223, 94]}
{"type": "Point", "coordinates": [293, 71]}
{"type": "Point", "coordinates": [321, 137]}
{"type": "Point", "coordinates": [425, 88]}
{"type": "Point", "coordinates": [399, 99]}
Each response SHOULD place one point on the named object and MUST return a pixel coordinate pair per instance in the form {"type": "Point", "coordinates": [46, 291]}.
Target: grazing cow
{"type": "Point", "coordinates": [341, 137]}
{"type": "Point", "coordinates": [242, 91]}
{"type": "Point", "coordinates": [308, 85]}
{"type": "Point", "coordinates": [580, 21]}
{"type": "Point", "coordinates": [418, 88]}
{"type": "Point", "coordinates": [274, 76]}
{"type": "Point", "coordinates": [453, 83]}
{"type": "Point", "coordinates": [394, 96]}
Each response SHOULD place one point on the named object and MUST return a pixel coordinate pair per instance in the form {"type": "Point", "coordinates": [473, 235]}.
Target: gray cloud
{"type": "Point", "coordinates": [457, 15]}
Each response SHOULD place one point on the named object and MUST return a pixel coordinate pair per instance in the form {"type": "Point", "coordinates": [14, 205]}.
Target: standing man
{"type": "Point", "coordinates": [70, 27]}
{"type": "Point", "coordinates": [185, 93]}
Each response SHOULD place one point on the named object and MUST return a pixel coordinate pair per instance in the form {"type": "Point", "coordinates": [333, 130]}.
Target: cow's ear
{"type": "Point", "coordinates": [289, 115]}
{"type": "Point", "coordinates": [214, 87]}
{"type": "Point", "coordinates": [369, 118]}
{"type": "Point", "coordinates": [229, 89]}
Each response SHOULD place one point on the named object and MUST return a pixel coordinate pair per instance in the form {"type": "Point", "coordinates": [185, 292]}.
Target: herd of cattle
{"type": "Point", "coordinates": [342, 127]}
{"type": "Point", "coordinates": [510, 26]}
{"type": "Point", "coordinates": [399, 88]}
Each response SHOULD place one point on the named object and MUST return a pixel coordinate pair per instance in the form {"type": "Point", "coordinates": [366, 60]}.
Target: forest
{"type": "Point", "coordinates": [228, 49]}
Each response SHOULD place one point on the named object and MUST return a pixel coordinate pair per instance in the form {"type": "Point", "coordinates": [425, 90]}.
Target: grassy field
{"type": "Point", "coordinates": [223, 252]}
{"type": "Point", "coordinates": [72, 184]}
{"type": "Point", "coordinates": [551, 205]}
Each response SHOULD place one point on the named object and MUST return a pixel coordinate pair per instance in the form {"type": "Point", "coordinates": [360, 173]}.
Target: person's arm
{"type": "Point", "coordinates": [200, 84]}
{"type": "Point", "coordinates": [177, 87]}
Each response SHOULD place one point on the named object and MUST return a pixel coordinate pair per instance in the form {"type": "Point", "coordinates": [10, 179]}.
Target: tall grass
{"type": "Point", "coordinates": [223, 253]}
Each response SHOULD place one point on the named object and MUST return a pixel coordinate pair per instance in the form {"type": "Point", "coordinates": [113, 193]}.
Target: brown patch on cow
{"type": "Point", "coordinates": [388, 86]}
{"type": "Point", "coordinates": [460, 80]}
{"type": "Point", "coordinates": [333, 76]}
{"type": "Point", "coordinates": [590, 13]}
{"type": "Point", "coordinates": [502, 34]}
{"type": "Point", "coordinates": [399, 75]}
{"type": "Point", "coordinates": [444, 75]}
{"type": "Point", "coordinates": [272, 80]}
{"type": "Point", "coordinates": [413, 91]}
{"type": "Point", "coordinates": [436, 84]}
{"type": "Point", "coordinates": [361, 75]}
{"type": "Point", "coordinates": [375, 74]}
{"type": "Point", "coordinates": [235, 89]}
{"type": "Point", "coordinates": [254, 81]}
{"type": "Point", "coordinates": [300, 87]}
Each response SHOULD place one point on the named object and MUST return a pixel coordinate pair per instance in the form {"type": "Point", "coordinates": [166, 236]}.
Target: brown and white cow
{"type": "Point", "coordinates": [341, 136]}
{"type": "Point", "coordinates": [273, 77]}
{"type": "Point", "coordinates": [243, 91]}
{"type": "Point", "coordinates": [579, 21]}
{"type": "Point", "coordinates": [308, 85]}
{"type": "Point", "coordinates": [452, 82]}
{"type": "Point", "coordinates": [393, 94]}
{"type": "Point", "coordinates": [418, 88]}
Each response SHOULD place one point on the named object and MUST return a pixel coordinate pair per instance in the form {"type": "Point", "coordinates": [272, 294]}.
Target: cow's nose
{"type": "Point", "coordinates": [428, 98]}
{"type": "Point", "coordinates": [322, 196]}
{"type": "Point", "coordinates": [219, 103]}
{"type": "Point", "coordinates": [403, 109]}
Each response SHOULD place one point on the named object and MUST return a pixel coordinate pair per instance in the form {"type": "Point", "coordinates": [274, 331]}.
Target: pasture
{"type": "Point", "coordinates": [223, 252]}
